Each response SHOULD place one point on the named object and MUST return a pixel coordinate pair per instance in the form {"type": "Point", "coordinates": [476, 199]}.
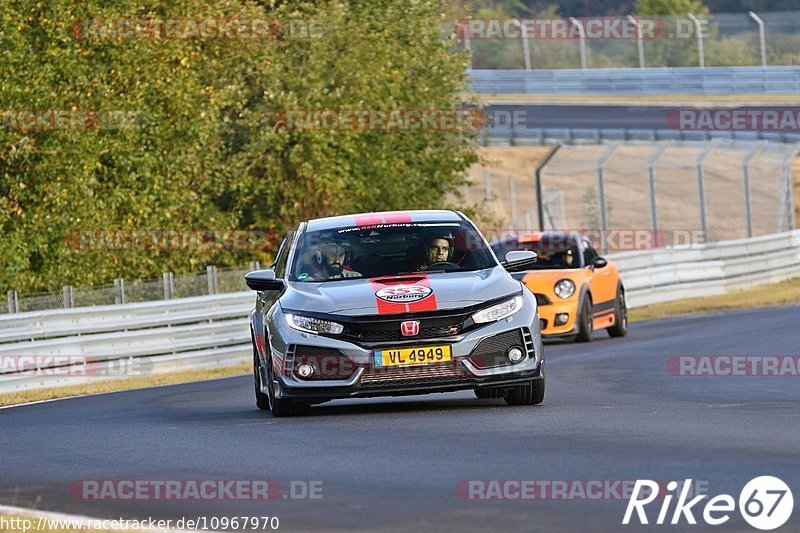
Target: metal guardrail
{"type": "Point", "coordinates": [119, 341]}
{"type": "Point", "coordinates": [521, 136]}
{"type": "Point", "coordinates": [212, 331]}
{"type": "Point", "coordinates": [683, 80]}
{"type": "Point", "coordinates": [691, 271]}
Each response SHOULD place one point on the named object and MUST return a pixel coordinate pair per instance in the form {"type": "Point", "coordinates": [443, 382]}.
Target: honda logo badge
{"type": "Point", "coordinates": [409, 328]}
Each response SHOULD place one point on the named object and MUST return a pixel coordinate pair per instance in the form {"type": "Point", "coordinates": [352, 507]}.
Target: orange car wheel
{"type": "Point", "coordinates": [585, 321]}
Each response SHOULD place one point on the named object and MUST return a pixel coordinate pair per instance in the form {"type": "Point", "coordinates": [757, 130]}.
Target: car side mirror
{"type": "Point", "coordinates": [517, 260]}
{"type": "Point", "coordinates": [263, 280]}
{"type": "Point", "coordinates": [599, 262]}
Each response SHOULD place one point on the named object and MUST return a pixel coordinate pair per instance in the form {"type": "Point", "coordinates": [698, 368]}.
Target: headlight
{"type": "Point", "coordinates": [499, 311]}
{"type": "Point", "coordinates": [313, 325]}
{"type": "Point", "coordinates": [564, 288]}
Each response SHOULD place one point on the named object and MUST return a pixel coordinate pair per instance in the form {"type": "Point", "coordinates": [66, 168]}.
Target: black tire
{"type": "Point", "coordinates": [262, 401]}
{"type": "Point", "coordinates": [280, 407]}
{"type": "Point", "coordinates": [585, 321]}
{"type": "Point", "coordinates": [620, 327]}
{"type": "Point", "coordinates": [530, 393]}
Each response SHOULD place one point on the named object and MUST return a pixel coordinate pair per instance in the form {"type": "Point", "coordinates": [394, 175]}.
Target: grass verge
{"type": "Point", "coordinates": [783, 293]}
{"type": "Point", "coordinates": [36, 395]}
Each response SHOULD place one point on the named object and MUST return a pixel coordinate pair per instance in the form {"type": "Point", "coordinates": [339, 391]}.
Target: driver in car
{"type": "Point", "coordinates": [331, 258]}
{"type": "Point", "coordinates": [439, 250]}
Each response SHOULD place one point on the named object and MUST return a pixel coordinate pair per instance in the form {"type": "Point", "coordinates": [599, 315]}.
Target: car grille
{"type": "Point", "coordinates": [542, 299]}
{"type": "Point", "coordinates": [414, 375]}
{"type": "Point", "coordinates": [424, 333]}
{"type": "Point", "coordinates": [387, 329]}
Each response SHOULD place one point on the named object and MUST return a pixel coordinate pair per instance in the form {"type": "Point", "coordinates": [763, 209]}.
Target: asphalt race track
{"type": "Point", "coordinates": [612, 412]}
{"type": "Point", "coordinates": [645, 117]}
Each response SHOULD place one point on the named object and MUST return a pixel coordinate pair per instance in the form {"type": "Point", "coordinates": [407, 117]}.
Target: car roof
{"type": "Point", "coordinates": [549, 236]}
{"type": "Point", "coordinates": [544, 237]}
{"type": "Point", "coordinates": [383, 217]}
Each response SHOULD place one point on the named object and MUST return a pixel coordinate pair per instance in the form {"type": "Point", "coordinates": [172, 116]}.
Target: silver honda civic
{"type": "Point", "coordinates": [389, 304]}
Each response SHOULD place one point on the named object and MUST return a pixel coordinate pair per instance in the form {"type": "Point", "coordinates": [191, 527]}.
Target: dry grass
{"type": "Point", "coordinates": [35, 395]}
{"type": "Point", "coordinates": [642, 99]}
{"type": "Point", "coordinates": [783, 293]}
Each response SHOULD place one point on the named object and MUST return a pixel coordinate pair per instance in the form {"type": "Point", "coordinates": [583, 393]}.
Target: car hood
{"type": "Point", "coordinates": [441, 291]}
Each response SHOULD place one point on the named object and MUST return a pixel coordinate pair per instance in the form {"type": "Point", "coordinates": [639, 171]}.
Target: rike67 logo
{"type": "Point", "coordinates": [765, 503]}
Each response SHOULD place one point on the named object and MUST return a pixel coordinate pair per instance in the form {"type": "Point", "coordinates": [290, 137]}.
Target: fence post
{"type": "Point", "coordinates": [525, 45]}
{"type": "Point", "coordinates": [581, 40]}
{"type": "Point", "coordinates": [119, 286]}
{"type": "Point", "coordinates": [169, 285]}
{"type": "Point", "coordinates": [761, 40]}
{"type": "Point", "coordinates": [639, 39]}
{"type": "Point", "coordinates": [701, 189]}
{"type": "Point", "coordinates": [528, 221]}
{"type": "Point", "coordinates": [787, 192]}
{"type": "Point", "coordinates": [66, 291]}
{"type": "Point", "coordinates": [698, 28]}
{"type": "Point", "coordinates": [601, 185]}
{"type": "Point", "coordinates": [254, 265]}
{"type": "Point", "coordinates": [487, 184]}
{"type": "Point", "coordinates": [512, 193]}
{"type": "Point", "coordinates": [211, 275]}
{"type": "Point", "coordinates": [13, 301]}
{"type": "Point", "coordinates": [538, 174]}
{"type": "Point", "coordinates": [748, 206]}
{"type": "Point", "coordinates": [651, 180]}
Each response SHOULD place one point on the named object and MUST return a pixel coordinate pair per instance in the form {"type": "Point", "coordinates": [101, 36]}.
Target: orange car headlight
{"type": "Point", "coordinates": [564, 288]}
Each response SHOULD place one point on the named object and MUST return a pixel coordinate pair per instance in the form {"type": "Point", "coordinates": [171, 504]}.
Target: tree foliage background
{"type": "Point", "coordinates": [199, 147]}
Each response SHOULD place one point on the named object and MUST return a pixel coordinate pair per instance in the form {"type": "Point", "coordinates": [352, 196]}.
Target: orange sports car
{"type": "Point", "coordinates": [577, 291]}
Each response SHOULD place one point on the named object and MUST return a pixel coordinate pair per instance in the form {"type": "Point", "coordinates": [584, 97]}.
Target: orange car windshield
{"type": "Point", "coordinates": [549, 258]}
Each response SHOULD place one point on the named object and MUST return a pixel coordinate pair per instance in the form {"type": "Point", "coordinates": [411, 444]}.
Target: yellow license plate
{"type": "Point", "coordinates": [419, 355]}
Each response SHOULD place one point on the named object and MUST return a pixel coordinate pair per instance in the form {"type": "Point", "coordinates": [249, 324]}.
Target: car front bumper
{"type": "Point", "coordinates": [368, 380]}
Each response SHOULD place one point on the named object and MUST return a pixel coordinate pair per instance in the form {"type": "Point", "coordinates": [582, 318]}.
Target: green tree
{"type": "Point", "coordinates": [198, 147]}
{"type": "Point", "coordinates": [670, 7]}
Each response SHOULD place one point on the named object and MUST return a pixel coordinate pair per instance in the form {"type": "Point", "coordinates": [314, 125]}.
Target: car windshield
{"type": "Point", "coordinates": [389, 249]}
{"type": "Point", "coordinates": [550, 256]}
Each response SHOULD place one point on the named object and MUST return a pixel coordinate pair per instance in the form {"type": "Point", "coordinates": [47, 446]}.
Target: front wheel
{"type": "Point", "coordinates": [585, 321]}
{"type": "Point", "coordinates": [620, 327]}
{"type": "Point", "coordinates": [262, 401]}
{"type": "Point", "coordinates": [529, 393]}
{"type": "Point", "coordinates": [279, 407]}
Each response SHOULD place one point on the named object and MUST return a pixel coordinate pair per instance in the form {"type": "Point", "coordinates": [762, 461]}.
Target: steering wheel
{"type": "Point", "coordinates": [442, 265]}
